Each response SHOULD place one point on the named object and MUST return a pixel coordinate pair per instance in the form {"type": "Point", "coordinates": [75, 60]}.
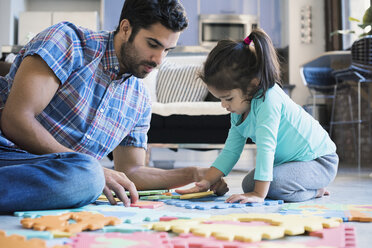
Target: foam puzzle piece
{"type": "Point", "coordinates": [39, 213]}
{"type": "Point", "coordinates": [213, 202]}
{"type": "Point", "coordinates": [30, 234]}
{"type": "Point", "coordinates": [17, 241]}
{"type": "Point", "coordinates": [342, 236]}
{"type": "Point", "coordinates": [125, 214]}
{"type": "Point", "coordinates": [125, 228]}
{"type": "Point", "coordinates": [133, 240]}
{"type": "Point", "coordinates": [196, 195]}
{"type": "Point", "coordinates": [162, 240]}
{"type": "Point", "coordinates": [347, 212]}
{"type": "Point", "coordinates": [83, 221]}
{"type": "Point", "coordinates": [186, 240]}
{"type": "Point", "coordinates": [147, 204]}
{"type": "Point", "coordinates": [138, 215]}
{"type": "Point", "coordinates": [281, 225]}
{"type": "Point", "coordinates": [141, 193]}
{"type": "Point", "coordinates": [159, 197]}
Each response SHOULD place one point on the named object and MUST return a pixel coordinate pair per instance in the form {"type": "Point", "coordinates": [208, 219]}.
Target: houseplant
{"type": "Point", "coordinates": [365, 24]}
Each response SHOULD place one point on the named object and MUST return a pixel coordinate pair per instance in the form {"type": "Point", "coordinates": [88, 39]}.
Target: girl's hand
{"type": "Point", "coordinates": [244, 198]}
{"type": "Point", "coordinates": [200, 186]}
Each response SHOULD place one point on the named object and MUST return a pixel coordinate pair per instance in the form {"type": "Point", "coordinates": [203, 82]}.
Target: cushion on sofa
{"type": "Point", "coordinates": [188, 108]}
{"type": "Point", "coordinates": [180, 83]}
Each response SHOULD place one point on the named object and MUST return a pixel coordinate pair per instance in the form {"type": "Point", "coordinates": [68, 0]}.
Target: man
{"type": "Point", "coordinates": [71, 97]}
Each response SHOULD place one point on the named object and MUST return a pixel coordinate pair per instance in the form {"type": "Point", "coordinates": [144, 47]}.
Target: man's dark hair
{"type": "Point", "coordinates": [144, 13]}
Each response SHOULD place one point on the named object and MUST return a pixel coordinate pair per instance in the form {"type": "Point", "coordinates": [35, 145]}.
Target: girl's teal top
{"type": "Point", "coordinates": [282, 130]}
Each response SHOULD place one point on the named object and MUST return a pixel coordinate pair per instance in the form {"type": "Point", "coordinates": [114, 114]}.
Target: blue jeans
{"type": "Point", "coordinates": [50, 181]}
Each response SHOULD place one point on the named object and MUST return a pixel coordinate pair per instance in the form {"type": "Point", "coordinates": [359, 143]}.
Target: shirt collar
{"type": "Point", "coordinates": [111, 62]}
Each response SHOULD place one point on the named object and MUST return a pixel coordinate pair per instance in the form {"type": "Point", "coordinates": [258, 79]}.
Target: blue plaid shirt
{"type": "Point", "coordinates": [95, 109]}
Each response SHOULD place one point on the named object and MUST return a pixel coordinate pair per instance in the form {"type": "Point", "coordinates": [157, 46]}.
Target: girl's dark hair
{"type": "Point", "coordinates": [234, 64]}
{"type": "Point", "coordinates": [144, 13]}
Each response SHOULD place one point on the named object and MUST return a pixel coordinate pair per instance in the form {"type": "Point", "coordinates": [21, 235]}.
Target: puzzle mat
{"type": "Point", "coordinates": [127, 215]}
{"type": "Point", "coordinates": [362, 213]}
{"type": "Point", "coordinates": [72, 222]}
{"type": "Point", "coordinates": [17, 241]}
{"type": "Point", "coordinates": [341, 236]}
{"type": "Point", "coordinates": [280, 225]}
{"type": "Point", "coordinates": [215, 202]}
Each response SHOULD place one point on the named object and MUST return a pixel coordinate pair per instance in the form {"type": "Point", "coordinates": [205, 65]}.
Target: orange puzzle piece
{"type": "Point", "coordinates": [18, 241]}
{"type": "Point", "coordinates": [83, 221]}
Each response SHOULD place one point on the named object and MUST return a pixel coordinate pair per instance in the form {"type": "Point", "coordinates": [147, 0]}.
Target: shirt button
{"type": "Point", "coordinates": [105, 68]}
{"type": "Point", "coordinates": [89, 137]}
{"type": "Point", "coordinates": [116, 67]}
{"type": "Point", "coordinates": [101, 110]}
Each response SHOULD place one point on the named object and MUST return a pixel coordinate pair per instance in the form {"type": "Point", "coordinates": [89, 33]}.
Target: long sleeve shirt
{"type": "Point", "coordinates": [282, 130]}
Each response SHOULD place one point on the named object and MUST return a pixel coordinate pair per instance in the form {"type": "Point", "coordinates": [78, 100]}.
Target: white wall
{"type": "Point", "coordinates": [301, 53]}
{"type": "Point", "coordinates": [9, 12]}
{"type": "Point", "coordinates": [65, 5]}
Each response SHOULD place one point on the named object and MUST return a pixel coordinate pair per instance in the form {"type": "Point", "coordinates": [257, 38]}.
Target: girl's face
{"type": "Point", "coordinates": [232, 100]}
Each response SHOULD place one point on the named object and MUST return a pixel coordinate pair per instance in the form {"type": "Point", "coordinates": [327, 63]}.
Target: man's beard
{"type": "Point", "coordinates": [131, 62]}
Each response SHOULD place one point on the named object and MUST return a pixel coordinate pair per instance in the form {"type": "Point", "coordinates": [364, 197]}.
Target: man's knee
{"type": "Point", "coordinates": [87, 179]}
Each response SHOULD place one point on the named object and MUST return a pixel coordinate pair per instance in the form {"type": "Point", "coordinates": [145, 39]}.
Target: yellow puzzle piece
{"type": "Point", "coordinates": [280, 225]}
{"type": "Point", "coordinates": [196, 195]}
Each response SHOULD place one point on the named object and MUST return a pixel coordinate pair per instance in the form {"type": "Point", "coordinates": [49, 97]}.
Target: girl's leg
{"type": "Point", "coordinates": [298, 181]}
{"type": "Point", "coordinates": [37, 182]}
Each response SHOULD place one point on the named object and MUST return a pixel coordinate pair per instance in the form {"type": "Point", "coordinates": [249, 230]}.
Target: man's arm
{"type": "Point", "coordinates": [34, 86]}
{"type": "Point", "coordinates": [131, 161]}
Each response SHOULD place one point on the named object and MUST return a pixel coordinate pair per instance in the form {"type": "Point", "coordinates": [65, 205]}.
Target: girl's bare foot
{"type": "Point", "coordinates": [321, 192]}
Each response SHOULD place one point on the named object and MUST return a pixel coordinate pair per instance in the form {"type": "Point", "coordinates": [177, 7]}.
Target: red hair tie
{"type": "Point", "coordinates": [247, 40]}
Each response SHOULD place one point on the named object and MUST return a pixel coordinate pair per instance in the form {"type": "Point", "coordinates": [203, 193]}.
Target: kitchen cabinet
{"type": "Point", "coordinates": [248, 7]}
{"type": "Point", "coordinates": [189, 37]}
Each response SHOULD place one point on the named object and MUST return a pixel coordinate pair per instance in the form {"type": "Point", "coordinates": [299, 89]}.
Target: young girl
{"type": "Point", "coordinates": [296, 159]}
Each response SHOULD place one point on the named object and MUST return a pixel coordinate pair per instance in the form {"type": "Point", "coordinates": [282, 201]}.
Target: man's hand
{"type": "Point", "coordinates": [118, 182]}
{"type": "Point", "coordinates": [219, 187]}
{"type": "Point", "coordinates": [244, 198]}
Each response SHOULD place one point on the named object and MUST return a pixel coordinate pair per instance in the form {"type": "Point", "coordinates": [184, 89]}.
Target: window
{"type": "Point", "coordinates": [355, 9]}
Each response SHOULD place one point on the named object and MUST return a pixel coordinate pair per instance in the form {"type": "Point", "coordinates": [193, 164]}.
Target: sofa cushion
{"type": "Point", "coordinates": [188, 108]}
{"type": "Point", "coordinates": [180, 83]}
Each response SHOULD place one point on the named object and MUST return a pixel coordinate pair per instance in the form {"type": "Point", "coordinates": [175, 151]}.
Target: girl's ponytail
{"type": "Point", "coordinates": [234, 64]}
{"type": "Point", "coordinates": [268, 67]}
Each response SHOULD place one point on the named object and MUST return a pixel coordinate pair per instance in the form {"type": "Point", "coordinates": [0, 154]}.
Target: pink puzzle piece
{"type": "Point", "coordinates": [133, 240]}
{"type": "Point", "coordinates": [186, 240]}
{"type": "Point", "coordinates": [342, 236]}
{"type": "Point", "coordinates": [147, 204]}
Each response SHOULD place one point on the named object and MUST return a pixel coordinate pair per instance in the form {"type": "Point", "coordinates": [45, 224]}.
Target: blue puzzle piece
{"type": "Point", "coordinates": [325, 214]}
{"type": "Point", "coordinates": [39, 213]}
{"type": "Point", "coordinates": [30, 234]}
{"type": "Point", "coordinates": [126, 214]}
{"type": "Point", "coordinates": [214, 202]}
